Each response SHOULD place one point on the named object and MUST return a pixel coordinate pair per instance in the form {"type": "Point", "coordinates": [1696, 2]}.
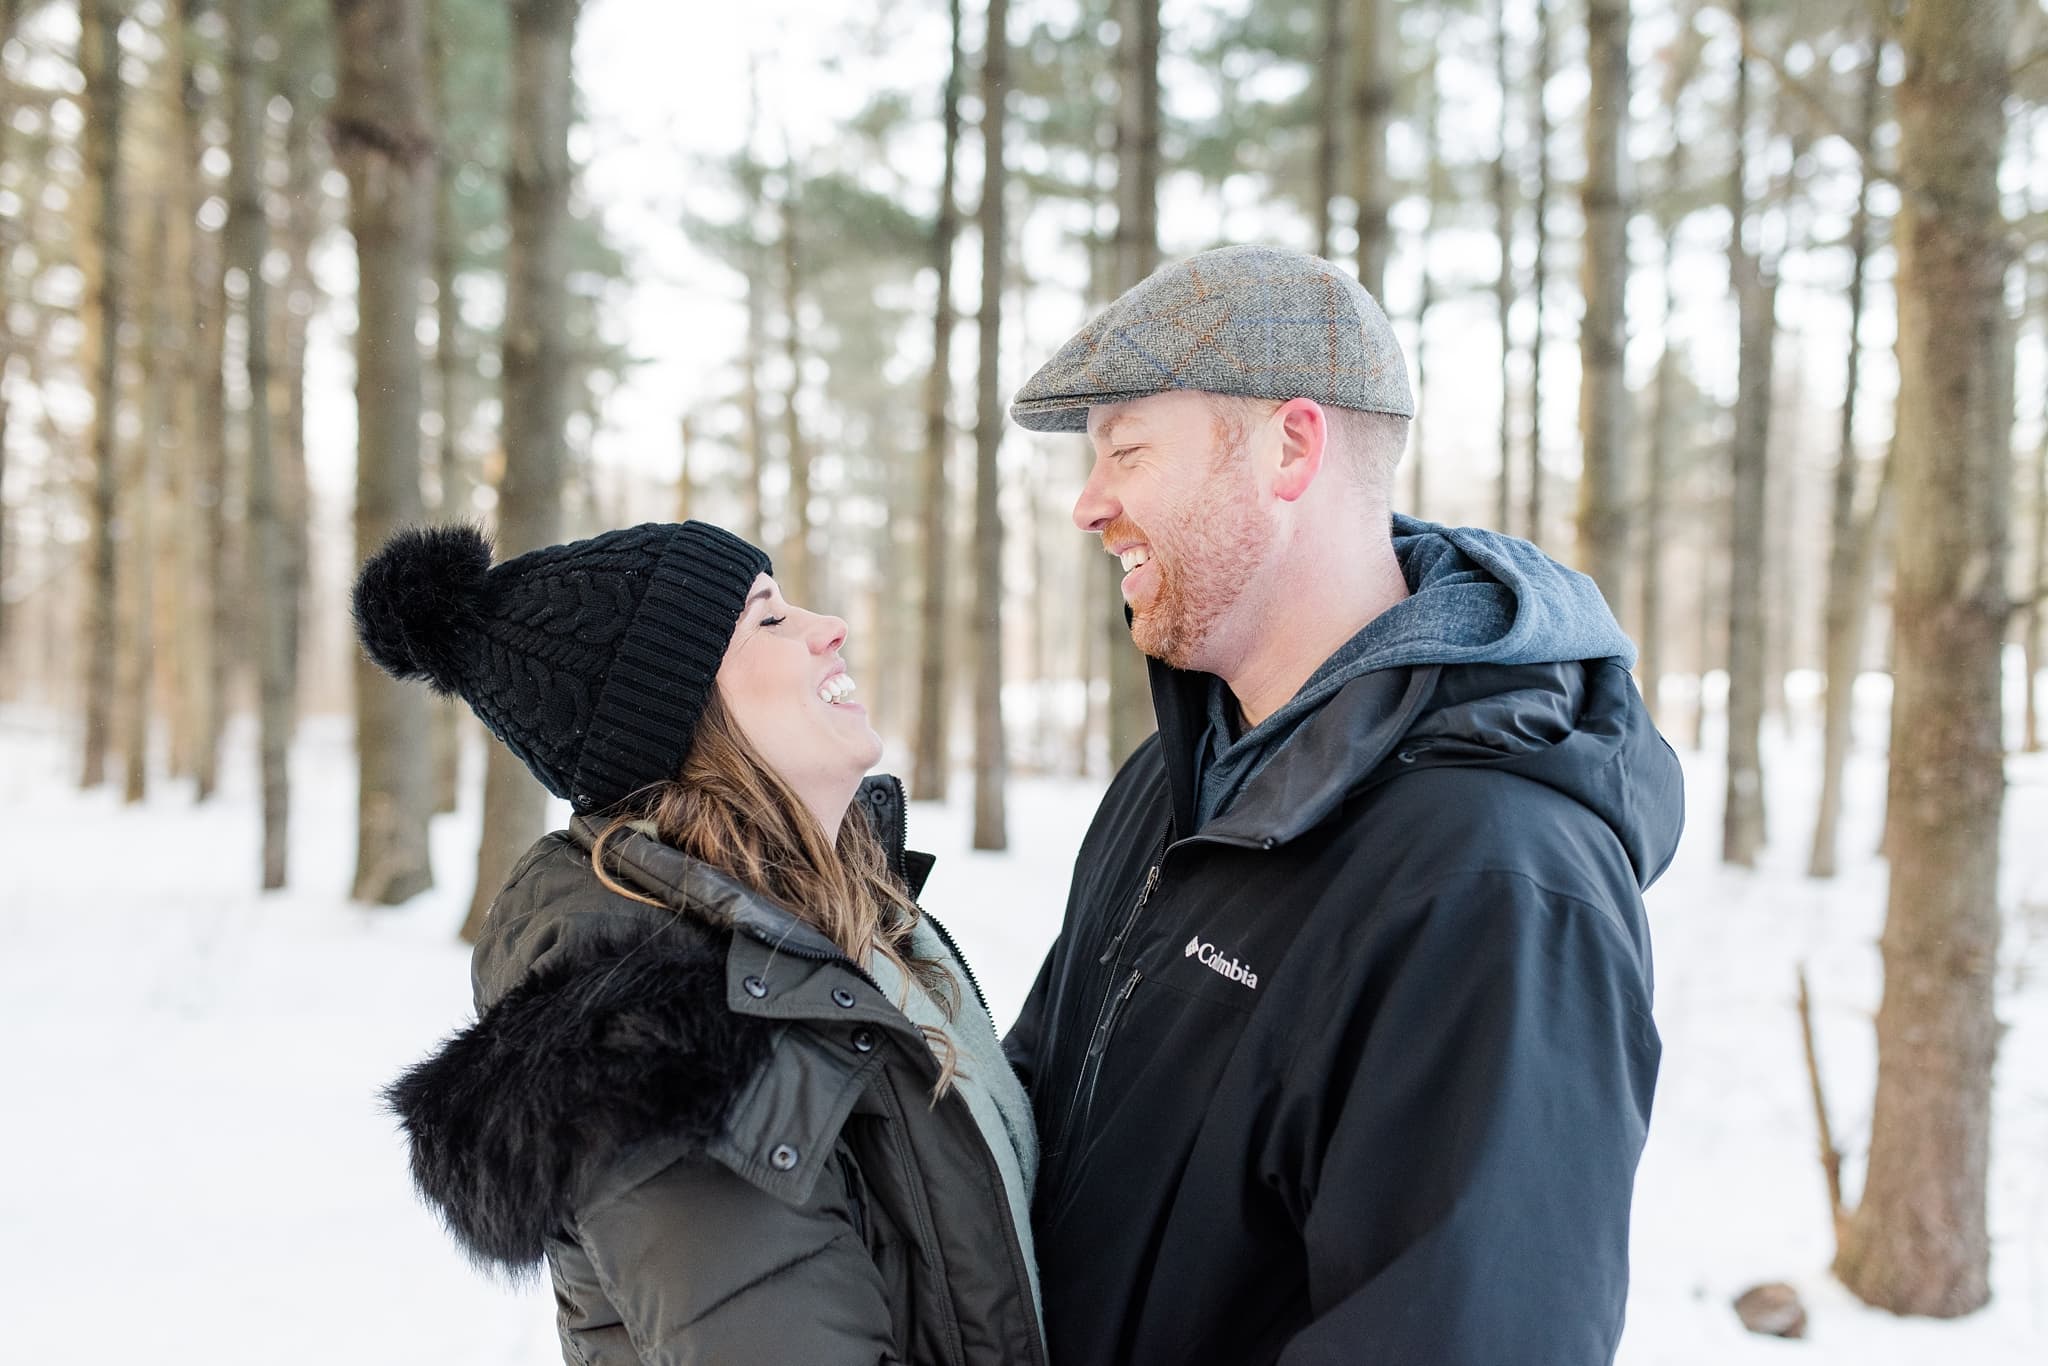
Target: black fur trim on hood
{"type": "Point", "coordinates": [629, 1042]}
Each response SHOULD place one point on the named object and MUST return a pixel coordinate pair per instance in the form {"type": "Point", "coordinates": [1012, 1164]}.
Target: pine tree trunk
{"type": "Point", "coordinates": [929, 765]}
{"type": "Point", "coordinates": [793, 565]}
{"type": "Point", "coordinates": [536, 351]}
{"type": "Point", "coordinates": [139, 496]}
{"type": "Point", "coordinates": [451, 719]}
{"type": "Point", "coordinates": [1137, 254]}
{"type": "Point", "coordinates": [1604, 482]}
{"type": "Point", "coordinates": [99, 52]}
{"type": "Point", "coordinates": [383, 141]}
{"type": "Point", "coordinates": [1425, 299]}
{"type": "Point", "coordinates": [1918, 1243]}
{"type": "Point", "coordinates": [269, 592]}
{"type": "Point", "coordinates": [302, 227]}
{"type": "Point", "coordinates": [1847, 602]}
{"type": "Point", "coordinates": [1539, 282]}
{"type": "Point", "coordinates": [1662, 443]}
{"type": "Point", "coordinates": [2037, 605]}
{"type": "Point", "coordinates": [1504, 277]}
{"type": "Point", "coordinates": [991, 764]}
{"type": "Point", "coordinates": [1742, 821]}
{"type": "Point", "coordinates": [1372, 105]}
{"type": "Point", "coordinates": [1329, 78]}
{"type": "Point", "coordinates": [207, 631]}
{"type": "Point", "coordinates": [10, 16]}
{"type": "Point", "coordinates": [753, 409]}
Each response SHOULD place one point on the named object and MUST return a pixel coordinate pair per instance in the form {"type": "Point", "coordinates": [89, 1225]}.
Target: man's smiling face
{"type": "Point", "coordinates": [1174, 496]}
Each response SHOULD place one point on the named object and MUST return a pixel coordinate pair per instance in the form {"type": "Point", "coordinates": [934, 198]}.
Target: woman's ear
{"type": "Point", "coordinates": [1304, 434]}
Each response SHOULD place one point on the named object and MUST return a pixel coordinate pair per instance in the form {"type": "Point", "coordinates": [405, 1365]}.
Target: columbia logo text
{"type": "Point", "coordinates": [1211, 958]}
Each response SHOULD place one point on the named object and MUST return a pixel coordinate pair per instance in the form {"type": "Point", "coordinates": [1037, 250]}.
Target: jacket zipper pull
{"type": "Point", "coordinates": [1116, 1008]}
{"type": "Point", "coordinates": [1116, 945]}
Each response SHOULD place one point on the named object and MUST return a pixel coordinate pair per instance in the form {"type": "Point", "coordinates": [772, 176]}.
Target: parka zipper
{"type": "Point", "coordinates": [1106, 1014]}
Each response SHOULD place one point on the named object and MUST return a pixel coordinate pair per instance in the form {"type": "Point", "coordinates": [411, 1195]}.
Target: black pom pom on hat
{"type": "Point", "coordinates": [419, 598]}
{"type": "Point", "coordinates": [591, 661]}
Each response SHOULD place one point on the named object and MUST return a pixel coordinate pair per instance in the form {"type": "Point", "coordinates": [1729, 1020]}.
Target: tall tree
{"type": "Point", "coordinates": [1673, 208]}
{"type": "Point", "coordinates": [1605, 494]}
{"type": "Point", "coordinates": [1742, 820]}
{"type": "Point", "coordinates": [10, 17]}
{"type": "Point", "coordinates": [1434, 177]}
{"type": "Point", "coordinates": [270, 591]}
{"type": "Point", "coordinates": [536, 374]}
{"type": "Point", "coordinates": [208, 627]}
{"type": "Point", "coordinates": [1539, 271]}
{"type": "Point", "coordinates": [929, 767]}
{"type": "Point", "coordinates": [99, 58]}
{"type": "Point", "coordinates": [2037, 602]}
{"type": "Point", "coordinates": [1853, 543]}
{"type": "Point", "coordinates": [1329, 83]}
{"type": "Point", "coordinates": [1504, 277]}
{"type": "Point", "coordinates": [384, 142]}
{"type": "Point", "coordinates": [793, 565]}
{"type": "Point", "coordinates": [1137, 255]}
{"type": "Point", "coordinates": [1918, 1243]}
{"type": "Point", "coordinates": [991, 764]}
{"type": "Point", "coordinates": [1372, 106]}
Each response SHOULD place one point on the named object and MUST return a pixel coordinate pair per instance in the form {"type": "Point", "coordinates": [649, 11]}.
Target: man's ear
{"type": "Point", "coordinates": [1304, 441]}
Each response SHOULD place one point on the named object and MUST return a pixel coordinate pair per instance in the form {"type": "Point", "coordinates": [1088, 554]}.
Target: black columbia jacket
{"type": "Point", "coordinates": [1360, 1071]}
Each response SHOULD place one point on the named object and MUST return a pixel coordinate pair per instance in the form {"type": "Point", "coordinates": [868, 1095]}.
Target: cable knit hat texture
{"type": "Point", "coordinates": [592, 660]}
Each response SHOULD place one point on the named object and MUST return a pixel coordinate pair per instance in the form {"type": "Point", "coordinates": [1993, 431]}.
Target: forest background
{"type": "Point", "coordinates": [1739, 305]}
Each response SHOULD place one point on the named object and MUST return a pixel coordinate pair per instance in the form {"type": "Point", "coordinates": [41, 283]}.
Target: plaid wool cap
{"type": "Point", "coordinates": [1253, 321]}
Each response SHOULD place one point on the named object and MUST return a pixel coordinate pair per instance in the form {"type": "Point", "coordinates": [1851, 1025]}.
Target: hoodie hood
{"type": "Point", "coordinates": [1474, 597]}
{"type": "Point", "coordinates": [1499, 656]}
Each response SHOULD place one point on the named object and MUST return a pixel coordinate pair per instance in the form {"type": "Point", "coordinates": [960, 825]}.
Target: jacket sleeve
{"type": "Point", "coordinates": [702, 1266]}
{"type": "Point", "coordinates": [1021, 1044]}
{"type": "Point", "coordinates": [1463, 1168]}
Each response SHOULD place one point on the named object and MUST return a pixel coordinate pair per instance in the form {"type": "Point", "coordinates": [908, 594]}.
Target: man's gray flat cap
{"type": "Point", "coordinates": [1253, 321]}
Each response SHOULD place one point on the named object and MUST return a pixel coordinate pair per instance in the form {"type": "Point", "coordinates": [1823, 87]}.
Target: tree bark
{"type": "Point", "coordinates": [1425, 299]}
{"type": "Point", "coordinates": [1918, 1243]}
{"type": "Point", "coordinates": [1504, 278]}
{"type": "Point", "coordinates": [10, 16]}
{"type": "Point", "coordinates": [1742, 822]}
{"type": "Point", "coordinates": [793, 565]}
{"type": "Point", "coordinates": [384, 142]}
{"type": "Point", "coordinates": [302, 226]}
{"type": "Point", "coordinates": [269, 590]}
{"type": "Point", "coordinates": [536, 374]}
{"type": "Point", "coordinates": [1605, 493]}
{"type": "Point", "coordinates": [1539, 282]}
{"type": "Point", "coordinates": [991, 764]}
{"type": "Point", "coordinates": [99, 58]}
{"type": "Point", "coordinates": [1372, 104]}
{"type": "Point", "coordinates": [451, 389]}
{"type": "Point", "coordinates": [139, 498]}
{"type": "Point", "coordinates": [1137, 254]}
{"type": "Point", "coordinates": [1849, 560]}
{"type": "Point", "coordinates": [929, 766]}
{"type": "Point", "coordinates": [1329, 78]}
{"type": "Point", "coordinates": [207, 632]}
{"type": "Point", "coordinates": [2037, 604]}
{"type": "Point", "coordinates": [1663, 440]}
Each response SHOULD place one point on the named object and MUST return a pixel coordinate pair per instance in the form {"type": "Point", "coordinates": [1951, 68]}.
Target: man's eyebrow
{"type": "Point", "coordinates": [1107, 431]}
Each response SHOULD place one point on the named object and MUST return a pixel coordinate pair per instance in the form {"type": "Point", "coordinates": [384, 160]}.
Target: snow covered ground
{"type": "Point", "coordinates": [193, 1167]}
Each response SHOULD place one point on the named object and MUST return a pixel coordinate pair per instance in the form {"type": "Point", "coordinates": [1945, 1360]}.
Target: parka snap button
{"type": "Point", "coordinates": [755, 987]}
{"type": "Point", "coordinates": [1406, 756]}
{"type": "Point", "coordinates": [842, 998]}
{"type": "Point", "coordinates": [783, 1158]}
{"type": "Point", "coordinates": [863, 1040]}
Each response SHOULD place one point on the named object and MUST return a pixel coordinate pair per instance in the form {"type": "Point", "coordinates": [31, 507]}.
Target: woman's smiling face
{"type": "Point", "coordinates": [785, 686]}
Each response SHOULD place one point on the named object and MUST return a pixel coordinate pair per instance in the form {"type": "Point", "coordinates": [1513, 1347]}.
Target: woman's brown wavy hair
{"type": "Point", "coordinates": [730, 810]}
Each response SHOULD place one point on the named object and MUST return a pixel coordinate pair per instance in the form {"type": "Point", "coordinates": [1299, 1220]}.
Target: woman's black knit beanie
{"type": "Point", "coordinates": [591, 661]}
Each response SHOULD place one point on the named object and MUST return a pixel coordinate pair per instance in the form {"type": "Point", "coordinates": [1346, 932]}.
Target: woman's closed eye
{"type": "Point", "coordinates": [773, 621]}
